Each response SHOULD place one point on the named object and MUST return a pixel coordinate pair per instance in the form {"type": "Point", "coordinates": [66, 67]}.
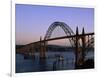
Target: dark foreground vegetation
{"type": "Point", "coordinates": [88, 64]}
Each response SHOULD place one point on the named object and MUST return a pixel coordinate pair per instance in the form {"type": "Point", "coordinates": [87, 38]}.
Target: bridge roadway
{"type": "Point", "coordinates": [63, 37]}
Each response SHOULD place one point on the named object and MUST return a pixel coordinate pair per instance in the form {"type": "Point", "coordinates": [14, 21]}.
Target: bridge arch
{"type": "Point", "coordinates": [68, 31]}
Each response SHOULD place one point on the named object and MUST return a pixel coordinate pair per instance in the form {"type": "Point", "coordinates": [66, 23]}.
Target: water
{"type": "Point", "coordinates": [51, 63]}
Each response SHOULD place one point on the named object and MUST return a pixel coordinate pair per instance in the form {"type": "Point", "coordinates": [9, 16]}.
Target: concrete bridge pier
{"type": "Point", "coordinates": [83, 45]}
{"type": "Point", "coordinates": [76, 48]}
{"type": "Point", "coordinates": [42, 48]}
{"type": "Point", "coordinates": [79, 51]}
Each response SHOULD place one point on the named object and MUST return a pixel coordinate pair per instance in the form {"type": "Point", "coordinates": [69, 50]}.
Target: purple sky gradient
{"type": "Point", "coordinates": [32, 21]}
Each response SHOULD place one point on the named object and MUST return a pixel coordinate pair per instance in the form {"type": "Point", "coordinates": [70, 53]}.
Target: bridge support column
{"type": "Point", "coordinates": [42, 48]}
{"type": "Point", "coordinates": [79, 51]}
{"type": "Point", "coordinates": [76, 49]}
{"type": "Point", "coordinates": [83, 45]}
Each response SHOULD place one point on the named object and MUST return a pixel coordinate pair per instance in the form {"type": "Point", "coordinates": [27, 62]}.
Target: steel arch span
{"type": "Point", "coordinates": [68, 31]}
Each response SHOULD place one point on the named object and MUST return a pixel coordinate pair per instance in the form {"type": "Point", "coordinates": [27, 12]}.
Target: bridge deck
{"type": "Point", "coordinates": [64, 37]}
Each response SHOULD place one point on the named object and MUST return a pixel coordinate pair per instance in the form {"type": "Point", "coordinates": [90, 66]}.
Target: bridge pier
{"type": "Point", "coordinates": [42, 49]}
{"type": "Point", "coordinates": [83, 45]}
{"type": "Point", "coordinates": [79, 51]}
{"type": "Point", "coordinates": [76, 48]}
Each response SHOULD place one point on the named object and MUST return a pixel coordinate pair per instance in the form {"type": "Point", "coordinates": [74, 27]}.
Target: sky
{"type": "Point", "coordinates": [32, 21]}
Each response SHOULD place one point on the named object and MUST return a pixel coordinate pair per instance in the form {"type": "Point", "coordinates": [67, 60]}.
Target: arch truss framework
{"type": "Point", "coordinates": [74, 41]}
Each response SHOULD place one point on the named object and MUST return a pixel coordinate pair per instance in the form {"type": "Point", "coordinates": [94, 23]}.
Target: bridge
{"type": "Point", "coordinates": [80, 42]}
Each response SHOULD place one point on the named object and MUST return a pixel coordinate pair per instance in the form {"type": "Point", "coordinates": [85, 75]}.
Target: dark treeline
{"type": "Point", "coordinates": [53, 48]}
{"type": "Point", "coordinates": [58, 48]}
{"type": "Point", "coordinates": [19, 46]}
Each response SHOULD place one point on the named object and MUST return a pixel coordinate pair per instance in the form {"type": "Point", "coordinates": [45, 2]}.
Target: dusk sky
{"type": "Point", "coordinates": [32, 21]}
